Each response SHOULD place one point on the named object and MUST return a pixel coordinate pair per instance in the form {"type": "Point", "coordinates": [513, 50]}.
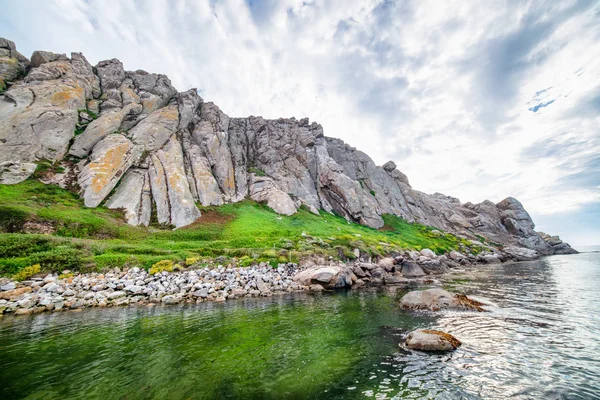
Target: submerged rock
{"type": "Point", "coordinates": [431, 340]}
{"type": "Point", "coordinates": [438, 299]}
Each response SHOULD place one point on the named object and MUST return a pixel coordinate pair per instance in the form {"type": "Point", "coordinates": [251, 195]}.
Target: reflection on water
{"type": "Point", "coordinates": [540, 340]}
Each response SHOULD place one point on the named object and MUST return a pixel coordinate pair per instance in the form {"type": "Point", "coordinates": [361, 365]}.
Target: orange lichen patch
{"type": "Point", "coordinates": [68, 95]}
{"type": "Point", "coordinates": [169, 112]}
{"type": "Point", "coordinates": [64, 67]}
{"type": "Point", "coordinates": [129, 92]}
{"type": "Point", "coordinates": [230, 181]}
{"type": "Point", "coordinates": [451, 339]}
{"type": "Point", "coordinates": [107, 166]}
{"type": "Point", "coordinates": [469, 303]}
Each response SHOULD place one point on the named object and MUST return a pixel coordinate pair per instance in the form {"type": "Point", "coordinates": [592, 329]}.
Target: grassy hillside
{"type": "Point", "coordinates": [90, 239]}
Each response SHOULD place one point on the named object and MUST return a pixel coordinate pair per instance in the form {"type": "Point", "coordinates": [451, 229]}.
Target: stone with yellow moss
{"type": "Point", "coordinates": [431, 340]}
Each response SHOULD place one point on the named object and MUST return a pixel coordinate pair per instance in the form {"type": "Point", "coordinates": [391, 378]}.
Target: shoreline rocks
{"type": "Point", "coordinates": [135, 286]}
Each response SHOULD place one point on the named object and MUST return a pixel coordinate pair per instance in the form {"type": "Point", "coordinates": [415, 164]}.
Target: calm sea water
{"type": "Point", "coordinates": [541, 340]}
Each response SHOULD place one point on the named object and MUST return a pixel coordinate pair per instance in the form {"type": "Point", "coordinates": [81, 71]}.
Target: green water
{"type": "Point", "coordinates": [296, 347]}
{"type": "Point", "coordinates": [539, 340]}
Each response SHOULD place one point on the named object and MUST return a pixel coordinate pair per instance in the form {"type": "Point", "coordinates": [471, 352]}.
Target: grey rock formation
{"type": "Point", "coordinates": [98, 129]}
{"type": "Point", "coordinates": [328, 277]}
{"type": "Point", "coordinates": [132, 196]}
{"type": "Point", "coordinates": [558, 246]}
{"type": "Point", "coordinates": [42, 57]}
{"type": "Point", "coordinates": [111, 158]}
{"type": "Point", "coordinates": [264, 189]}
{"type": "Point", "coordinates": [411, 269]}
{"type": "Point", "coordinates": [190, 151]}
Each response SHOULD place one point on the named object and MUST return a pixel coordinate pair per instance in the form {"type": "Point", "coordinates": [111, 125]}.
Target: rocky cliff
{"type": "Point", "coordinates": [130, 141]}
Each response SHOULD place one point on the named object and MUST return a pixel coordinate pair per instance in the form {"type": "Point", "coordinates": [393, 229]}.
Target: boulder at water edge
{"type": "Point", "coordinates": [328, 277]}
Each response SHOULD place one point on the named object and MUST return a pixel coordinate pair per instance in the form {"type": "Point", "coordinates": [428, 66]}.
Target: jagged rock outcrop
{"type": "Point", "coordinates": [161, 150]}
{"type": "Point", "coordinates": [558, 246]}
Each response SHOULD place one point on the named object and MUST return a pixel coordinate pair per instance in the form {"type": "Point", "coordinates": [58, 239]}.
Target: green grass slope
{"type": "Point", "coordinates": [87, 239]}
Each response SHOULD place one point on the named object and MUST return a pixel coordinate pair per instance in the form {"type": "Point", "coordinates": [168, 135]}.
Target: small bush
{"type": "Point", "coordinates": [12, 219]}
{"type": "Point", "coordinates": [191, 260]}
{"type": "Point", "coordinates": [59, 259]}
{"type": "Point", "coordinates": [372, 193]}
{"type": "Point", "coordinates": [22, 245]}
{"type": "Point", "coordinates": [27, 272]}
{"type": "Point", "coordinates": [164, 265]}
{"type": "Point", "coordinates": [256, 171]}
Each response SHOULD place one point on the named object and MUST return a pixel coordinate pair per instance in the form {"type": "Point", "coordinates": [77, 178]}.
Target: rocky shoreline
{"type": "Point", "coordinates": [136, 286]}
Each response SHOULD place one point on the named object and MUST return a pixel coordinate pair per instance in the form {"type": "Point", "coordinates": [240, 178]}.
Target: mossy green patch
{"type": "Point", "coordinates": [245, 232]}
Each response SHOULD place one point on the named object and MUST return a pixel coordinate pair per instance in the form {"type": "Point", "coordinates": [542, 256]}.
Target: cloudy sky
{"type": "Point", "coordinates": [476, 99]}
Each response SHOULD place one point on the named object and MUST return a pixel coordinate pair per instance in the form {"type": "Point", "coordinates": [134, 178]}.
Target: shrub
{"type": "Point", "coordinates": [27, 272]}
{"type": "Point", "coordinates": [58, 259]}
{"type": "Point", "coordinates": [22, 245]}
{"type": "Point", "coordinates": [12, 219]}
{"type": "Point", "coordinates": [191, 260]}
{"type": "Point", "coordinates": [164, 265]}
{"type": "Point", "coordinates": [256, 171]}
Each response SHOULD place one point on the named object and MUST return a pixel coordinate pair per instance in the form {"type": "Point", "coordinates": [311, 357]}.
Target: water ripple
{"type": "Point", "coordinates": [539, 340]}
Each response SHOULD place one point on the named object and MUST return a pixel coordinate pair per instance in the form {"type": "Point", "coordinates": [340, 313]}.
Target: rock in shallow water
{"type": "Point", "coordinates": [431, 340]}
{"type": "Point", "coordinates": [437, 299]}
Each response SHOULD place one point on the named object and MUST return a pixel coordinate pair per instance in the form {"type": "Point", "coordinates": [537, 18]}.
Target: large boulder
{"type": "Point", "coordinates": [431, 340]}
{"type": "Point", "coordinates": [438, 299]}
{"type": "Point", "coordinates": [98, 129]}
{"type": "Point", "coordinates": [521, 253]}
{"type": "Point", "coordinates": [329, 277]}
{"type": "Point", "coordinates": [42, 57]}
{"type": "Point", "coordinates": [153, 131]}
{"type": "Point", "coordinates": [264, 189]}
{"type": "Point", "coordinates": [411, 269]}
{"type": "Point", "coordinates": [12, 63]}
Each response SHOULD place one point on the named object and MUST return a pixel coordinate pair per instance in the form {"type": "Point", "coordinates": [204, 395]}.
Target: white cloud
{"type": "Point", "coordinates": [447, 90]}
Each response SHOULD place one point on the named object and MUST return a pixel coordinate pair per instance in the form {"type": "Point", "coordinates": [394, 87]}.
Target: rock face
{"type": "Point", "coordinates": [431, 340]}
{"type": "Point", "coordinates": [438, 299]}
{"type": "Point", "coordinates": [189, 151]}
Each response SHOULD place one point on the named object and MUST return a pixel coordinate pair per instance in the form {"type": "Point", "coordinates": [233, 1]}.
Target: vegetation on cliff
{"type": "Point", "coordinates": [80, 238]}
